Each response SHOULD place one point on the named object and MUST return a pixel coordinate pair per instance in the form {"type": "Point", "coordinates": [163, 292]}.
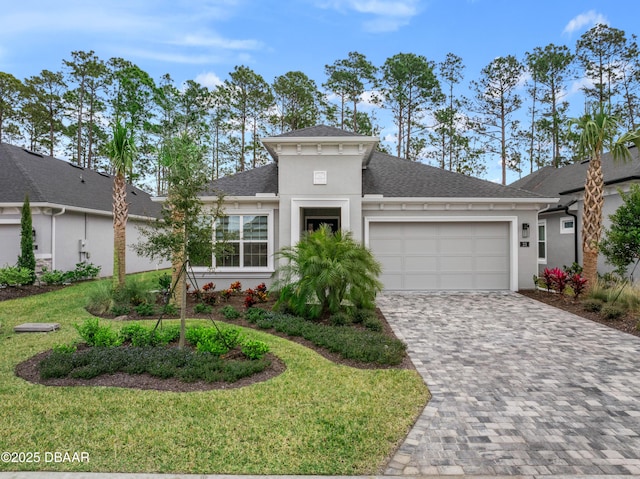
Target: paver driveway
{"type": "Point", "coordinates": [518, 387]}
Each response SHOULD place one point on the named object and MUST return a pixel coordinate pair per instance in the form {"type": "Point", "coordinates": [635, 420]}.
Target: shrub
{"type": "Point", "coordinates": [593, 305]}
{"type": "Point", "coordinates": [52, 277]}
{"type": "Point", "coordinates": [15, 276]}
{"type": "Point", "coordinates": [324, 270]}
{"type": "Point", "coordinates": [65, 348]}
{"type": "Point", "coordinates": [120, 309]}
{"type": "Point", "coordinates": [235, 287]}
{"type": "Point", "coordinates": [359, 315]}
{"type": "Point", "coordinates": [577, 283]}
{"type": "Point", "coordinates": [164, 281]}
{"type": "Point", "coordinates": [145, 309]}
{"type": "Point", "coordinates": [339, 319]}
{"type": "Point", "coordinates": [170, 309]}
{"type": "Point", "coordinates": [202, 308]}
{"type": "Point", "coordinates": [372, 323]}
{"type": "Point", "coordinates": [27, 258]}
{"type": "Point", "coordinates": [249, 300]}
{"type": "Point", "coordinates": [84, 270]}
{"type": "Point", "coordinates": [254, 349]}
{"type": "Point", "coordinates": [96, 335]}
{"type": "Point", "coordinates": [212, 340]}
{"type": "Point", "coordinates": [612, 311]}
{"type": "Point", "coordinates": [99, 299]}
{"type": "Point", "coordinates": [254, 314]}
{"type": "Point", "coordinates": [141, 336]}
{"type": "Point", "coordinates": [229, 312]}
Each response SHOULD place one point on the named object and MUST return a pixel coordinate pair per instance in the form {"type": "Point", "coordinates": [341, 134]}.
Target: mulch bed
{"type": "Point", "coordinates": [28, 369]}
{"type": "Point", "coordinates": [627, 324]}
{"type": "Point", "coordinates": [15, 292]}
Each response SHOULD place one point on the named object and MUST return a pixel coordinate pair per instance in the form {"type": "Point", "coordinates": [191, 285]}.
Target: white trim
{"type": "Point", "coordinates": [10, 222]}
{"type": "Point", "coordinates": [421, 199]}
{"type": "Point", "coordinates": [513, 233]}
{"type": "Point", "coordinates": [546, 241]}
{"type": "Point", "coordinates": [239, 269]}
{"type": "Point", "coordinates": [298, 203]}
{"type": "Point", "coordinates": [564, 230]}
{"type": "Point", "coordinates": [75, 209]}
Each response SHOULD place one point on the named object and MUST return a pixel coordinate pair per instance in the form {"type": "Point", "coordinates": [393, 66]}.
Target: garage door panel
{"type": "Point", "coordinates": [420, 263]}
{"type": "Point", "coordinates": [446, 255]}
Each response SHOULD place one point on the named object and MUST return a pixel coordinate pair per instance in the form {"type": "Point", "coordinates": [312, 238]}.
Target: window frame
{"type": "Point", "coordinates": [543, 223]}
{"type": "Point", "coordinates": [241, 241]}
{"type": "Point", "coordinates": [564, 230]}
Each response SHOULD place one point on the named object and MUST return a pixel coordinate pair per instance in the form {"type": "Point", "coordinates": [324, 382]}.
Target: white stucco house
{"type": "Point", "coordinates": [430, 229]}
{"type": "Point", "coordinates": [71, 209]}
{"type": "Point", "coordinates": [559, 233]}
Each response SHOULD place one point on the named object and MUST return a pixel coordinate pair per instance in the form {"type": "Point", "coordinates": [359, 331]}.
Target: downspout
{"type": "Point", "coordinates": [53, 236]}
{"type": "Point", "coordinates": [575, 230]}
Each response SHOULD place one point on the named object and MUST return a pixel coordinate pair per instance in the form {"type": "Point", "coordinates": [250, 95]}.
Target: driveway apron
{"type": "Point", "coordinates": [519, 388]}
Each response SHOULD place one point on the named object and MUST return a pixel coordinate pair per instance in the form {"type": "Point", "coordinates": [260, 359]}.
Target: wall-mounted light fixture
{"type": "Point", "coordinates": [525, 230]}
{"type": "Point", "coordinates": [33, 234]}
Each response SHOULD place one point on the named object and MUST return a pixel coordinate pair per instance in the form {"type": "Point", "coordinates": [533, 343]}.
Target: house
{"type": "Point", "coordinates": [559, 240]}
{"type": "Point", "coordinates": [71, 211]}
{"type": "Point", "coordinates": [430, 229]}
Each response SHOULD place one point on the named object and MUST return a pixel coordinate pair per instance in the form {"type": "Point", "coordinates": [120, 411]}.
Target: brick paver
{"type": "Point", "coordinates": [519, 388]}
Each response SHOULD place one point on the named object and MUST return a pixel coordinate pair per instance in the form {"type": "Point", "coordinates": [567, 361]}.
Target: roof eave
{"type": "Point", "coordinates": [607, 183]}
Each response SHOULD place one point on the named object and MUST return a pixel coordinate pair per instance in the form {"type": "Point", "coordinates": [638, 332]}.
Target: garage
{"type": "Point", "coordinates": [423, 255]}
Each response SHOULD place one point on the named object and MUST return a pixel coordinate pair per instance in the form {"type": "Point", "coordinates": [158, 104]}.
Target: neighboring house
{"type": "Point", "coordinates": [71, 211]}
{"type": "Point", "coordinates": [431, 229]}
{"type": "Point", "coordinates": [559, 232]}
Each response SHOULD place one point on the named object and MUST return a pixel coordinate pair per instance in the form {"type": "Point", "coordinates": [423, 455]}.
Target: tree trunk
{"type": "Point", "coordinates": [592, 220]}
{"type": "Point", "coordinates": [120, 214]}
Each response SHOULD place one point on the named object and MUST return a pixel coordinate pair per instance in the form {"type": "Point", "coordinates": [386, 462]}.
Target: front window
{"type": "Point", "coordinates": [246, 241]}
{"type": "Point", "coordinates": [542, 242]}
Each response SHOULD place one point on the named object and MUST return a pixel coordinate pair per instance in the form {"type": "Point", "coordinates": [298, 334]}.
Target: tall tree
{"type": "Point", "coordinates": [121, 150]}
{"type": "Point", "coordinates": [497, 101]}
{"type": "Point", "coordinates": [298, 101]}
{"type": "Point", "coordinates": [621, 243]}
{"type": "Point", "coordinates": [409, 87]}
{"type": "Point", "coordinates": [597, 131]}
{"type": "Point", "coordinates": [349, 78]}
{"type": "Point", "coordinates": [10, 89]}
{"type": "Point", "coordinates": [248, 97]}
{"type": "Point", "coordinates": [550, 68]}
{"type": "Point", "coordinates": [47, 90]}
{"type": "Point", "coordinates": [89, 74]}
{"type": "Point", "coordinates": [599, 51]}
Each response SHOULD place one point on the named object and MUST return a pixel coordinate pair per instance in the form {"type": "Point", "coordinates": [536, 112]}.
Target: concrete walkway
{"type": "Point", "coordinates": [519, 388]}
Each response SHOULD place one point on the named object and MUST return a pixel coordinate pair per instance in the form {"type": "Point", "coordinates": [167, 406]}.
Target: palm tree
{"type": "Point", "coordinates": [597, 131]}
{"type": "Point", "coordinates": [121, 150]}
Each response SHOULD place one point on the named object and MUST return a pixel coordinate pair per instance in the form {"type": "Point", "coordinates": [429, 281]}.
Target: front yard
{"type": "Point", "coordinates": [318, 417]}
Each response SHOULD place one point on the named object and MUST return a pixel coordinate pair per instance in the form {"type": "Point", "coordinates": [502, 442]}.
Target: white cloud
{"type": "Point", "coordinates": [214, 41]}
{"type": "Point", "coordinates": [388, 15]}
{"type": "Point", "coordinates": [208, 79]}
{"type": "Point", "coordinates": [590, 18]}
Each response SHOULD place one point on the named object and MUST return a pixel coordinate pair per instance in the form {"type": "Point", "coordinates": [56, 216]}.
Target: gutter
{"type": "Point", "coordinates": [575, 229]}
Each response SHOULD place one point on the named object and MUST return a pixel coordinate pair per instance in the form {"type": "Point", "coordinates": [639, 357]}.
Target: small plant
{"type": "Point", "coordinates": [120, 309]}
{"type": "Point", "coordinates": [575, 268]}
{"type": "Point", "coordinates": [577, 283]}
{"type": "Point", "coordinates": [249, 300]}
{"type": "Point", "coordinates": [82, 271]}
{"type": "Point", "coordinates": [226, 294]}
{"type": "Point", "coordinates": [339, 319]}
{"type": "Point", "coordinates": [145, 309]}
{"type": "Point", "coordinates": [214, 341]}
{"type": "Point", "coordinates": [208, 287]}
{"type": "Point", "coordinates": [359, 315]}
{"type": "Point", "coordinates": [96, 335]}
{"type": "Point", "coordinates": [372, 323]}
{"type": "Point", "coordinates": [52, 277]}
{"type": "Point", "coordinates": [236, 287]}
{"type": "Point", "coordinates": [253, 315]}
{"type": "Point", "coordinates": [612, 311]}
{"type": "Point", "coordinates": [15, 276]}
{"type": "Point", "coordinates": [170, 309]}
{"type": "Point", "coordinates": [229, 312]}
{"type": "Point", "coordinates": [261, 288]}
{"type": "Point", "coordinates": [165, 282]}
{"type": "Point", "coordinates": [65, 348]}
{"type": "Point", "coordinates": [592, 305]}
{"type": "Point", "coordinates": [254, 349]}
{"type": "Point", "coordinates": [202, 308]}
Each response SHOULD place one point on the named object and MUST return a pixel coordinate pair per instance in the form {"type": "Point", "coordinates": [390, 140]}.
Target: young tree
{"type": "Point", "coordinates": [621, 243]}
{"type": "Point", "coordinates": [121, 150]}
{"type": "Point", "coordinates": [409, 87]}
{"type": "Point", "coordinates": [497, 101]}
{"type": "Point", "coordinates": [180, 232]}
{"type": "Point", "coordinates": [597, 131]}
{"type": "Point", "coordinates": [27, 258]}
{"type": "Point", "coordinates": [349, 78]}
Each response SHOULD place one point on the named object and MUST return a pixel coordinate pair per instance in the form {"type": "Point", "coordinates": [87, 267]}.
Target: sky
{"type": "Point", "coordinates": [204, 40]}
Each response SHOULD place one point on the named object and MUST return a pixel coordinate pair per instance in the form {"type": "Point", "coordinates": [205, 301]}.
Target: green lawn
{"type": "Point", "coordinates": [316, 418]}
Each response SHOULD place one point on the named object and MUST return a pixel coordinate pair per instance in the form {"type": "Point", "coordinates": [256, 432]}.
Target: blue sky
{"type": "Point", "coordinates": [204, 40]}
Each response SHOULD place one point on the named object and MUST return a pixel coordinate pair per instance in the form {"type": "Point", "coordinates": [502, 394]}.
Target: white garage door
{"type": "Point", "coordinates": [442, 256]}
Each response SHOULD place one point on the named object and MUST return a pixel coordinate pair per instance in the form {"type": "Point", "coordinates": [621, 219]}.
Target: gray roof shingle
{"type": "Point", "coordinates": [317, 131]}
{"type": "Point", "coordinates": [49, 180]}
{"type": "Point", "coordinates": [263, 179]}
{"type": "Point", "coordinates": [571, 178]}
